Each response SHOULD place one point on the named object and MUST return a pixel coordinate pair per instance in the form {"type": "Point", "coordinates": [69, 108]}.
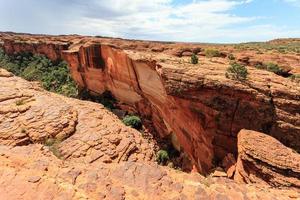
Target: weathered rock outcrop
{"type": "Point", "coordinates": [75, 130]}
{"type": "Point", "coordinates": [99, 158]}
{"type": "Point", "coordinates": [32, 172]}
{"type": "Point", "coordinates": [263, 159]}
{"type": "Point", "coordinates": [200, 106]}
{"type": "Point", "coordinates": [52, 50]}
{"type": "Point", "coordinates": [197, 105]}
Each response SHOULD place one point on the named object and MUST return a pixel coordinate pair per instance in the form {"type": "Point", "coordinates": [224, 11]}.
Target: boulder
{"type": "Point", "coordinates": [263, 159]}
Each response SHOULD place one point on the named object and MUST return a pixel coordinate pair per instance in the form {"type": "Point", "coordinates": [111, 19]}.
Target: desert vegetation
{"type": "Point", "coordinates": [106, 99]}
{"type": "Point", "coordinates": [53, 145]}
{"type": "Point", "coordinates": [162, 157]}
{"type": "Point", "coordinates": [194, 59]}
{"type": "Point", "coordinates": [236, 71]}
{"type": "Point", "coordinates": [295, 78]}
{"type": "Point", "coordinates": [272, 67]}
{"type": "Point", "coordinates": [54, 76]}
{"type": "Point", "coordinates": [210, 53]}
{"type": "Point", "coordinates": [231, 57]}
{"type": "Point", "coordinates": [289, 47]}
{"type": "Point", "coordinates": [133, 121]}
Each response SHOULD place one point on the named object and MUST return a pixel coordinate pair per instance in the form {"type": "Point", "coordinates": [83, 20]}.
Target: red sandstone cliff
{"type": "Point", "coordinates": [101, 158]}
{"type": "Point", "coordinates": [197, 105]}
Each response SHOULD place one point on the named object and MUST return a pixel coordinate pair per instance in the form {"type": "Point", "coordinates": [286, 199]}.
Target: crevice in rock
{"type": "Point", "coordinates": [136, 76]}
{"type": "Point", "coordinates": [272, 110]}
{"type": "Point", "coordinates": [257, 169]}
{"type": "Point", "coordinates": [88, 57]}
{"type": "Point", "coordinates": [233, 115]}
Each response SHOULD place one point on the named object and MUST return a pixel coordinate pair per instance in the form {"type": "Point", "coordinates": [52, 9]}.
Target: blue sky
{"type": "Point", "coordinates": [225, 21]}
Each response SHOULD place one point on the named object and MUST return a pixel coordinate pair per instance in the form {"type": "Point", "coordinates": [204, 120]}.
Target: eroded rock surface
{"type": "Point", "coordinates": [263, 159]}
{"type": "Point", "coordinates": [99, 158]}
{"type": "Point", "coordinates": [32, 172]}
{"type": "Point", "coordinates": [194, 104]}
{"type": "Point", "coordinates": [81, 130]}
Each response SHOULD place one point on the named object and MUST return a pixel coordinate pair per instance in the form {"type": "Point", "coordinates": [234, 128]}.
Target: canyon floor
{"type": "Point", "coordinates": [241, 138]}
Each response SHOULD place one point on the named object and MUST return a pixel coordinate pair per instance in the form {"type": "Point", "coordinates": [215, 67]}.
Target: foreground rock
{"type": "Point", "coordinates": [196, 105]}
{"type": "Point", "coordinates": [73, 129]}
{"type": "Point", "coordinates": [263, 159]}
{"type": "Point", "coordinates": [32, 172]}
{"type": "Point", "coordinates": [97, 157]}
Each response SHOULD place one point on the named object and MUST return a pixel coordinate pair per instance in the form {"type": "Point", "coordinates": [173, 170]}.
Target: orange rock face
{"type": "Point", "coordinates": [81, 131]}
{"type": "Point", "coordinates": [97, 158]}
{"type": "Point", "coordinates": [204, 113]}
{"type": "Point", "coordinates": [51, 50]}
{"type": "Point", "coordinates": [195, 105]}
{"type": "Point", "coordinates": [263, 159]}
{"type": "Point", "coordinates": [32, 172]}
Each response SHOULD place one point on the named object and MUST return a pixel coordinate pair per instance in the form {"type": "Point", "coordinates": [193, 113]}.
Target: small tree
{"type": "Point", "coordinates": [210, 53]}
{"type": "Point", "coordinates": [275, 68]}
{"type": "Point", "coordinates": [162, 157]}
{"type": "Point", "coordinates": [194, 59]}
{"type": "Point", "coordinates": [133, 121]}
{"type": "Point", "coordinates": [231, 57]}
{"type": "Point", "coordinates": [237, 72]}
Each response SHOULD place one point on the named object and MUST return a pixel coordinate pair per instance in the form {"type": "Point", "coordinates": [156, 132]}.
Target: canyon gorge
{"type": "Point", "coordinates": [251, 128]}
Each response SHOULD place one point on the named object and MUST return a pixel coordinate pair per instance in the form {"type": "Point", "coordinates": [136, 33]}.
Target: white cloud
{"type": "Point", "coordinates": [159, 19]}
{"type": "Point", "coordinates": [192, 20]}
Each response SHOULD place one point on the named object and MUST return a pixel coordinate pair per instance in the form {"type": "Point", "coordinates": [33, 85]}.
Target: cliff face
{"type": "Point", "coordinates": [139, 83]}
{"type": "Point", "coordinates": [195, 105]}
{"type": "Point", "coordinates": [272, 164]}
{"type": "Point", "coordinates": [203, 112]}
{"type": "Point", "coordinates": [51, 50]}
{"type": "Point", "coordinates": [99, 157]}
{"type": "Point", "coordinates": [75, 130]}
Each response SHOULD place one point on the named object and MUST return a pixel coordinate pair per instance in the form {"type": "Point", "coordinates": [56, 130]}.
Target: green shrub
{"type": "Point", "coordinates": [133, 121]}
{"type": "Point", "coordinates": [49, 142]}
{"type": "Point", "coordinates": [23, 130]}
{"type": "Point", "coordinates": [231, 57]}
{"type": "Point", "coordinates": [20, 102]}
{"type": "Point", "coordinates": [237, 72]}
{"type": "Point", "coordinates": [162, 157]}
{"type": "Point", "coordinates": [194, 59]}
{"type": "Point", "coordinates": [53, 145]}
{"type": "Point", "coordinates": [54, 76]}
{"type": "Point", "coordinates": [260, 66]}
{"type": "Point", "coordinates": [295, 78]}
{"type": "Point", "coordinates": [272, 67]}
{"type": "Point", "coordinates": [106, 99]}
{"type": "Point", "coordinates": [212, 53]}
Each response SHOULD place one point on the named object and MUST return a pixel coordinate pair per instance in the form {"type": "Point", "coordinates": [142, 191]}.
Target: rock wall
{"type": "Point", "coordinates": [272, 164]}
{"type": "Point", "coordinates": [32, 172]}
{"type": "Point", "coordinates": [201, 109]}
{"type": "Point", "coordinates": [51, 50]}
{"type": "Point", "coordinates": [139, 83]}
{"type": "Point", "coordinates": [76, 130]}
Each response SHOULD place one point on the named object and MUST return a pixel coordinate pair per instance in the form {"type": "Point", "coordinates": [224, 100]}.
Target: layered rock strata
{"type": "Point", "coordinates": [97, 157]}
{"type": "Point", "coordinates": [77, 130]}
{"type": "Point", "coordinates": [32, 172]}
{"type": "Point", "coordinates": [264, 160]}
{"type": "Point", "coordinates": [194, 105]}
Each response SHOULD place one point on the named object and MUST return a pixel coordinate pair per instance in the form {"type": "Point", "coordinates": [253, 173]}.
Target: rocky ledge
{"type": "Point", "coordinates": [195, 105]}
{"type": "Point", "coordinates": [264, 160]}
{"type": "Point", "coordinates": [97, 157]}
{"type": "Point", "coordinates": [32, 172]}
{"type": "Point", "coordinates": [73, 129]}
